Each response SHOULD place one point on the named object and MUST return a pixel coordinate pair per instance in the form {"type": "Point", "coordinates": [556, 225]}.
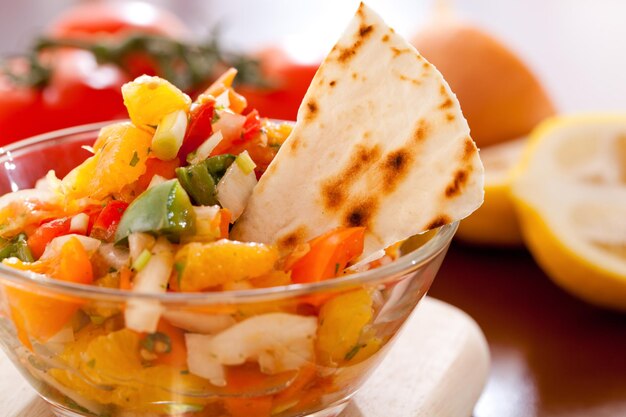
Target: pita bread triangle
{"type": "Point", "coordinates": [380, 142]}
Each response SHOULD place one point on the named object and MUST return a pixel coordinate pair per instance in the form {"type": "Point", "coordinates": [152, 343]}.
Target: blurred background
{"type": "Point", "coordinates": [574, 46]}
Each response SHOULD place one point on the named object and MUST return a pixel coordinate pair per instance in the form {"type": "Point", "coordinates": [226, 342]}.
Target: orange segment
{"type": "Point", "coordinates": [230, 262]}
{"type": "Point", "coordinates": [272, 279]}
{"type": "Point", "coordinates": [342, 320]}
{"type": "Point", "coordinates": [43, 314]}
{"type": "Point", "coordinates": [120, 158]}
{"type": "Point", "coordinates": [111, 371]}
{"type": "Point", "coordinates": [148, 99]}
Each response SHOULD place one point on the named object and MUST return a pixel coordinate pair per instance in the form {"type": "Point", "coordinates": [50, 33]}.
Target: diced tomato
{"type": "Point", "coordinates": [306, 374]}
{"type": "Point", "coordinates": [200, 125]}
{"type": "Point", "coordinates": [231, 126]}
{"type": "Point", "coordinates": [125, 278]}
{"type": "Point", "coordinates": [248, 378]}
{"type": "Point", "coordinates": [106, 223]}
{"type": "Point", "coordinates": [222, 221]}
{"type": "Point", "coordinates": [329, 254]}
{"type": "Point", "coordinates": [38, 241]}
{"type": "Point", "coordinates": [155, 166]}
{"type": "Point", "coordinates": [252, 125]}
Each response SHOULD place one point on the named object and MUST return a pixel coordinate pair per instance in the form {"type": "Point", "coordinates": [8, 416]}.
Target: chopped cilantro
{"type": "Point", "coordinates": [352, 352]}
{"type": "Point", "coordinates": [134, 160]}
{"type": "Point", "coordinates": [72, 405]}
{"type": "Point", "coordinates": [179, 267]}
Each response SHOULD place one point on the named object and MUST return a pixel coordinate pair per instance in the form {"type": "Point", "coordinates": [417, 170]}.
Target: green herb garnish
{"type": "Point", "coordinates": [134, 160]}
{"type": "Point", "coordinates": [352, 352]}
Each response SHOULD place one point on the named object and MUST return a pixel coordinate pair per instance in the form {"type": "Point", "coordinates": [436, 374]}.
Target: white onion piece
{"type": "Point", "coordinates": [114, 256]}
{"type": "Point", "coordinates": [199, 322]}
{"type": "Point", "coordinates": [277, 341]}
{"type": "Point", "coordinates": [201, 361]}
{"type": "Point", "coordinates": [137, 242]}
{"type": "Point", "coordinates": [206, 213]}
{"type": "Point", "coordinates": [79, 223]}
{"type": "Point", "coordinates": [49, 183]}
{"type": "Point", "coordinates": [223, 100]}
{"type": "Point", "coordinates": [143, 315]}
{"type": "Point", "coordinates": [58, 342]}
{"type": "Point", "coordinates": [234, 190]}
{"type": "Point", "coordinates": [53, 248]}
{"type": "Point", "coordinates": [156, 180]}
{"type": "Point", "coordinates": [207, 147]}
{"type": "Point", "coordinates": [229, 123]}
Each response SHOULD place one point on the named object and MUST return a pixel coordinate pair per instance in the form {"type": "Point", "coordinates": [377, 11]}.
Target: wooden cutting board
{"type": "Point", "coordinates": [437, 367]}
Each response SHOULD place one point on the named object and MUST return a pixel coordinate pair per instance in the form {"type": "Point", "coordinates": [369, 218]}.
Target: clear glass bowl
{"type": "Point", "coordinates": [96, 367]}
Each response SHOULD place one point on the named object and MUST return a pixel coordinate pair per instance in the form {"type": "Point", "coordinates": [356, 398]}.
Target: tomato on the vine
{"type": "Point", "coordinates": [96, 18]}
{"type": "Point", "coordinates": [288, 82]}
{"type": "Point", "coordinates": [79, 91]}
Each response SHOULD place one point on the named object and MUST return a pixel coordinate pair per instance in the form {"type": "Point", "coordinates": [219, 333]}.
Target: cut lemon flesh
{"type": "Point", "coordinates": [495, 222]}
{"type": "Point", "coordinates": [570, 195]}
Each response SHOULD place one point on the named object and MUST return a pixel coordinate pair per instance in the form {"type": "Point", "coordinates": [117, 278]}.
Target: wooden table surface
{"type": "Point", "coordinates": [552, 355]}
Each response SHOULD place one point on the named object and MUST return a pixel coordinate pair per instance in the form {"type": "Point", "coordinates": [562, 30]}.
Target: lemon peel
{"type": "Point", "coordinates": [570, 195]}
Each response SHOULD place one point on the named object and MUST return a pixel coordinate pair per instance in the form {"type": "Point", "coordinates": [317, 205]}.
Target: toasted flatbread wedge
{"type": "Point", "coordinates": [380, 142]}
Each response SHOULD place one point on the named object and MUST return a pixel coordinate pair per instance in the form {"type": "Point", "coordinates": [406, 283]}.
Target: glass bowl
{"type": "Point", "coordinates": [297, 350]}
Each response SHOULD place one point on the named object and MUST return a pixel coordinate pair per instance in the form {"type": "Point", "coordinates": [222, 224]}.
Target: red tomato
{"type": "Point", "coordinates": [329, 254]}
{"type": "Point", "coordinates": [80, 91]}
{"type": "Point", "coordinates": [231, 126]}
{"type": "Point", "coordinates": [238, 131]}
{"type": "Point", "coordinates": [106, 223]}
{"type": "Point", "coordinates": [200, 125]}
{"type": "Point", "coordinates": [97, 17]}
{"type": "Point", "coordinates": [155, 166]}
{"type": "Point", "coordinates": [288, 80]}
{"type": "Point", "coordinates": [18, 108]}
{"type": "Point", "coordinates": [252, 125]}
{"type": "Point", "coordinates": [38, 241]}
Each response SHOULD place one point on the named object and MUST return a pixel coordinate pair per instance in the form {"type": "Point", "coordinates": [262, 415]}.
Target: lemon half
{"type": "Point", "coordinates": [570, 194]}
{"type": "Point", "coordinates": [495, 222]}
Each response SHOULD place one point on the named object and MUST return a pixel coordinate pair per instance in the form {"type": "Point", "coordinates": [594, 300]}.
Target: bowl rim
{"type": "Point", "coordinates": [406, 264]}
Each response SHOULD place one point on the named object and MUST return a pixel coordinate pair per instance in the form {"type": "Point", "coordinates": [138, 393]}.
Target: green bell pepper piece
{"type": "Point", "coordinates": [16, 247]}
{"type": "Point", "coordinates": [217, 165]}
{"type": "Point", "coordinates": [200, 180]}
{"type": "Point", "coordinates": [164, 209]}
